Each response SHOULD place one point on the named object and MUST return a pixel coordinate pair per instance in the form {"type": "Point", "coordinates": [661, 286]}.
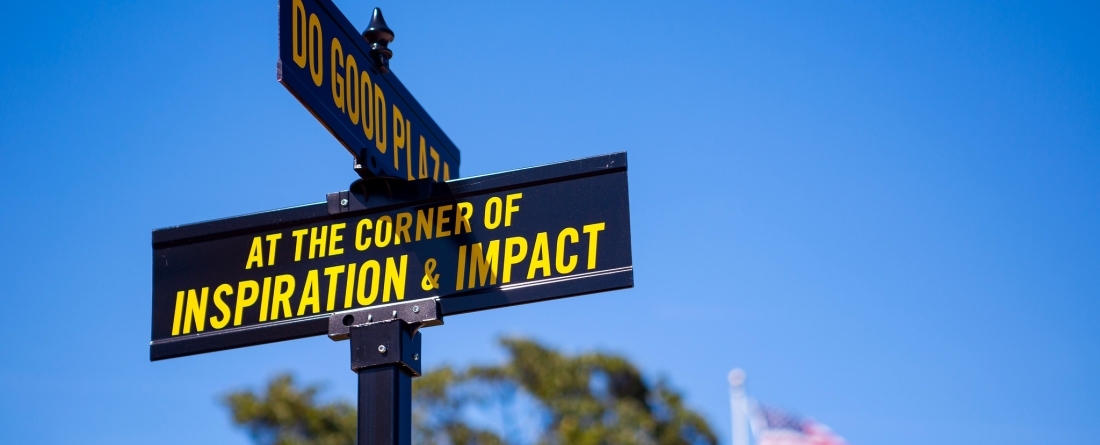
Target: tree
{"type": "Point", "coordinates": [287, 415]}
{"type": "Point", "coordinates": [538, 396]}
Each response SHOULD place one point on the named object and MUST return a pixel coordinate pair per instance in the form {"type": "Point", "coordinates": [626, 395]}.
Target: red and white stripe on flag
{"type": "Point", "coordinates": [812, 433]}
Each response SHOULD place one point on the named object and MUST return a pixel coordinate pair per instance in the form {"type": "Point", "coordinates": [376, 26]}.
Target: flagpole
{"type": "Point", "coordinates": [738, 407]}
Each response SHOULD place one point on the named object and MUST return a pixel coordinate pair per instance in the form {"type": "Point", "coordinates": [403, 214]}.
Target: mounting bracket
{"type": "Point", "coordinates": [416, 313]}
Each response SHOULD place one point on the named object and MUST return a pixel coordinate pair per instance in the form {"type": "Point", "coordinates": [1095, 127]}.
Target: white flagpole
{"type": "Point", "coordinates": [738, 407]}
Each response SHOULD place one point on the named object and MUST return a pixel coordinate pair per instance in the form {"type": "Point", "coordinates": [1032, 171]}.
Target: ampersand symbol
{"type": "Point", "coordinates": [430, 281]}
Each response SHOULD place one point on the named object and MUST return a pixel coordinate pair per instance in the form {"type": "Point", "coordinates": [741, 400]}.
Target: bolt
{"type": "Point", "coordinates": [382, 349]}
{"type": "Point", "coordinates": [344, 202]}
{"type": "Point", "coordinates": [416, 309]}
{"type": "Point", "coordinates": [416, 357]}
{"type": "Point", "coordinates": [369, 317]}
{"type": "Point", "coordinates": [394, 314]}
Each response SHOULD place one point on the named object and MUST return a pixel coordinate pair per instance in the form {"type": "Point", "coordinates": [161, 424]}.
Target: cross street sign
{"type": "Point", "coordinates": [329, 67]}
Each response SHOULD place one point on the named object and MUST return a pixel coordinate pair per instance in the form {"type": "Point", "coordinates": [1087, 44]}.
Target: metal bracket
{"type": "Point", "coordinates": [417, 313]}
{"type": "Point", "coordinates": [378, 192]}
{"type": "Point", "coordinates": [391, 342]}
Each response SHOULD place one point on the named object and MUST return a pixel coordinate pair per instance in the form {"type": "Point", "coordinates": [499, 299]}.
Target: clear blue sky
{"type": "Point", "coordinates": [888, 214]}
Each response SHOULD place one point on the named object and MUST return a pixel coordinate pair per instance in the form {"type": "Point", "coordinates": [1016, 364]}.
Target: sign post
{"type": "Point", "coordinates": [398, 251]}
{"type": "Point", "coordinates": [385, 356]}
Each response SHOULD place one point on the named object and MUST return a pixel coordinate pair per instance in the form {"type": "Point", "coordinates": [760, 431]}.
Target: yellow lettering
{"type": "Point", "coordinates": [351, 94]}
{"type": "Point", "coordinates": [463, 212]}
{"type": "Point", "coordinates": [404, 222]}
{"type": "Point", "coordinates": [310, 296]}
{"type": "Point", "coordinates": [483, 265]}
{"type": "Point", "coordinates": [379, 119]}
{"type": "Point", "coordinates": [196, 310]}
{"type": "Point", "coordinates": [349, 285]}
{"type": "Point", "coordinates": [337, 64]}
{"type": "Point", "coordinates": [255, 254]}
{"type": "Point", "coordinates": [252, 290]}
{"type": "Point", "coordinates": [422, 164]}
{"type": "Point", "coordinates": [509, 209]}
{"type": "Point", "coordinates": [298, 33]}
{"type": "Point", "coordinates": [366, 105]}
{"type": "Point", "coordinates": [512, 258]}
{"type": "Point", "coordinates": [298, 234]}
{"type": "Point", "coordinates": [395, 279]}
{"type": "Point", "coordinates": [435, 163]}
{"type": "Point", "coordinates": [317, 242]}
{"type": "Point", "coordinates": [593, 231]}
{"type": "Point", "coordinates": [333, 274]}
{"type": "Point", "coordinates": [220, 322]}
{"type": "Point", "coordinates": [361, 297]}
{"type": "Point", "coordinates": [408, 151]}
{"type": "Point", "coordinates": [265, 297]}
{"type": "Point", "coordinates": [540, 257]}
{"type": "Point", "coordinates": [316, 51]}
{"type": "Point", "coordinates": [399, 135]}
{"type": "Point", "coordinates": [461, 268]}
{"type": "Point", "coordinates": [362, 240]}
{"type": "Point", "coordinates": [492, 213]}
{"type": "Point", "coordinates": [334, 237]}
{"type": "Point", "coordinates": [424, 225]}
{"type": "Point", "coordinates": [284, 289]}
{"type": "Point", "coordinates": [383, 229]}
{"type": "Point", "coordinates": [271, 240]}
{"type": "Point", "coordinates": [559, 263]}
{"type": "Point", "coordinates": [441, 220]}
{"type": "Point", "coordinates": [178, 313]}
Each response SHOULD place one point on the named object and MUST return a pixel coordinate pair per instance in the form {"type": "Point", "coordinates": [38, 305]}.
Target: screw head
{"type": "Point", "coordinates": [344, 202]}
{"type": "Point", "coordinates": [382, 349]}
{"type": "Point", "coordinates": [416, 309]}
{"type": "Point", "coordinates": [394, 314]}
{"type": "Point", "coordinates": [416, 357]}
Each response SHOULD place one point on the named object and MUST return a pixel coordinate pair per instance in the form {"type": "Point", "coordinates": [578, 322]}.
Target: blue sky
{"type": "Point", "coordinates": [886, 213]}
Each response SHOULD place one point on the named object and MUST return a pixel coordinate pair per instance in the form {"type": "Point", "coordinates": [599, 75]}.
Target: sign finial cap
{"type": "Point", "coordinates": [379, 35]}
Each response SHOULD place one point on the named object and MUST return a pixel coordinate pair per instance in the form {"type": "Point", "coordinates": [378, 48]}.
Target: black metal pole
{"type": "Point", "coordinates": [386, 357]}
{"type": "Point", "coordinates": [385, 406]}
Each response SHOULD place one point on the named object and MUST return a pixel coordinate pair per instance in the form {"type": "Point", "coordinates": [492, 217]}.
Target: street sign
{"type": "Point", "coordinates": [405, 246]}
{"type": "Point", "coordinates": [476, 243]}
{"type": "Point", "coordinates": [330, 68]}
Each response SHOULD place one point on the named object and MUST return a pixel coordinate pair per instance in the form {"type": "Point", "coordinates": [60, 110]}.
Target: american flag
{"type": "Point", "coordinates": [773, 426]}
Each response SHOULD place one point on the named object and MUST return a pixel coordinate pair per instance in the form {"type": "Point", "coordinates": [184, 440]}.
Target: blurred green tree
{"type": "Point", "coordinates": [538, 396]}
{"type": "Point", "coordinates": [285, 414]}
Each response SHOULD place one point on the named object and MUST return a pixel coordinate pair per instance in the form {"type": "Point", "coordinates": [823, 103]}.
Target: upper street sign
{"type": "Point", "coordinates": [471, 244]}
{"type": "Point", "coordinates": [330, 68]}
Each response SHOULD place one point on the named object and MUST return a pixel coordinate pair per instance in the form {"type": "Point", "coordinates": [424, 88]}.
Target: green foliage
{"type": "Point", "coordinates": [587, 399]}
{"type": "Point", "coordinates": [557, 399]}
{"type": "Point", "coordinates": [286, 415]}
